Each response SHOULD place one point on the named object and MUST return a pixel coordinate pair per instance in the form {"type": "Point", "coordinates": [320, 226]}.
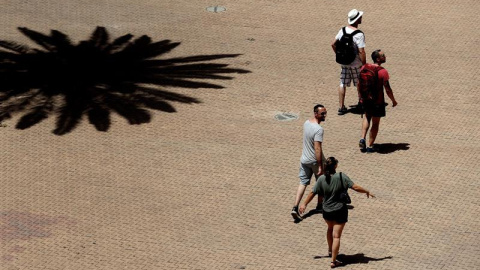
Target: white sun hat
{"type": "Point", "coordinates": [354, 15]}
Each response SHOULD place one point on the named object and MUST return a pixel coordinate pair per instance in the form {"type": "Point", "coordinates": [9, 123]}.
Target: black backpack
{"type": "Point", "coordinates": [345, 48]}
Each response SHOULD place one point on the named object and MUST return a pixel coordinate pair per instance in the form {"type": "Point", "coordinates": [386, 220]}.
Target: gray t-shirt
{"type": "Point", "coordinates": [330, 190]}
{"type": "Point", "coordinates": [312, 132]}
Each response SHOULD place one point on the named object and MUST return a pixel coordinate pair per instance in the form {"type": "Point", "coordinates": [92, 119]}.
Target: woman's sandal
{"type": "Point", "coordinates": [335, 264]}
{"type": "Point", "coordinates": [329, 254]}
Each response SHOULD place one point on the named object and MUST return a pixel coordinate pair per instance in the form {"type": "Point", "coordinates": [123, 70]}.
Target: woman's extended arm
{"type": "Point", "coordinates": [360, 189]}
{"type": "Point", "coordinates": [309, 198]}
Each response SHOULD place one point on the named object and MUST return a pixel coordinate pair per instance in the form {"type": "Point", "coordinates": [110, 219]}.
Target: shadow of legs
{"type": "Point", "coordinates": [359, 258]}
{"type": "Point", "coordinates": [387, 148]}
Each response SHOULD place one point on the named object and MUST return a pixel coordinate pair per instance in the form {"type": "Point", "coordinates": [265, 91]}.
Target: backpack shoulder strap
{"type": "Point", "coordinates": [344, 32]}
{"type": "Point", "coordinates": [356, 32]}
{"type": "Point", "coordinates": [377, 69]}
{"type": "Point", "coordinates": [370, 68]}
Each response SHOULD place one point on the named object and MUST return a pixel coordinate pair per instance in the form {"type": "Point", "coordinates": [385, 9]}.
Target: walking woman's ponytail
{"type": "Point", "coordinates": [330, 168]}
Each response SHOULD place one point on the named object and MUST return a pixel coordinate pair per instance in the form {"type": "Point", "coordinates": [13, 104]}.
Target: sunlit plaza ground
{"type": "Point", "coordinates": [211, 185]}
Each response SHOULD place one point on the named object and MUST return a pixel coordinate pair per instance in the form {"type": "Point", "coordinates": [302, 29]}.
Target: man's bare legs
{"type": "Point", "coordinates": [334, 233]}
{"type": "Point", "coordinates": [373, 130]}
{"type": "Point", "coordinates": [341, 96]}
{"type": "Point", "coordinates": [300, 192]}
{"type": "Point", "coordinates": [341, 99]}
{"type": "Point", "coordinates": [365, 125]}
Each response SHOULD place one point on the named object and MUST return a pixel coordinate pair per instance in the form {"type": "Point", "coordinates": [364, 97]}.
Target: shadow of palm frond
{"type": "Point", "coordinates": [98, 76]}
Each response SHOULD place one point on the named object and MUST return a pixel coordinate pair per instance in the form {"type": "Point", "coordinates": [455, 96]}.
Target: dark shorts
{"type": "Point", "coordinates": [339, 216]}
{"type": "Point", "coordinates": [374, 110]}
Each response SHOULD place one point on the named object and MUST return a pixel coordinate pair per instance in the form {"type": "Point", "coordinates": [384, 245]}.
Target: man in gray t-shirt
{"type": "Point", "coordinates": [312, 132]}
{"type": "Point", "coordinates": [311, 162]}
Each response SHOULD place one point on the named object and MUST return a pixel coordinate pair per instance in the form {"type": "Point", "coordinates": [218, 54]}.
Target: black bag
{"type": "Point", "coordinates": [344, 197]}
{"type": "Point", "coordinates": [345, 52]}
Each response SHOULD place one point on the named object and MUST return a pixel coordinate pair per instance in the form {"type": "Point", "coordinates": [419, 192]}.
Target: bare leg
{"type": "Point", "coordinates": [365, 125]}
{"type": "Point", "coordinates": [374, 130]}
{"type": "Point", "coordinates": [330, 235]}
{"type": "Point", "coordinates": [341, 96]}
{"type": "Point", "coordinates": [337, 234]}
{"type": "Point", "coordinates": [300, 191]}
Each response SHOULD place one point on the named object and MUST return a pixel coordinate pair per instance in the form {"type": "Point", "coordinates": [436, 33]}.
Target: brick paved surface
{"type": "Point", "coordinates": [211, 186]}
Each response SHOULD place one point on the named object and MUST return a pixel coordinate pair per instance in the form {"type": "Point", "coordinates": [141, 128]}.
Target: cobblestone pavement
{"type": "Point", "coordinates": [211, 186]}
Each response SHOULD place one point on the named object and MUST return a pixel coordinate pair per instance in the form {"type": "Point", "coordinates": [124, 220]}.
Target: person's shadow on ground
{"type": "Point", "coordinates": [314, 212]}
{"type": "Point", "coordinates": [355, 109]}
{"type": "Point", "coordinates": [308, 214]}
{"type": "Point", "coordinates": [387, 148]}
{"type": "Point", "coordinates": [358, 258]}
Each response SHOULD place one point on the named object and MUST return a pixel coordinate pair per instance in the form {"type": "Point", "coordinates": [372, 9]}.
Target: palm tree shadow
{"type": "Point", "coordinates": [98, 76]}
{"type": "Point", "coordinates": [387, 148]}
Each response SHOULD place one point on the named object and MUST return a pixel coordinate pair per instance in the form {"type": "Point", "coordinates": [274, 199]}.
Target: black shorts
{"type": "Point", "coordinates": [339, 216]}
{"type": "Point", "coordinates": [376, 110]}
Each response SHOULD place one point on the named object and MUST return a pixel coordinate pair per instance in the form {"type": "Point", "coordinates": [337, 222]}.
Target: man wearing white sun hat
{"type": "Point", "coordinates": [350, 71]}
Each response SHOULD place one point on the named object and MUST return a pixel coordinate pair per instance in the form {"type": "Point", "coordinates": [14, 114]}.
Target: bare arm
{"type": "Point", "coordinates": [307, 201]}
{"type": "Point", "coordinates": [363, 56]}
{"type": "Point", "coordinates": [318, 156]}
{"type": "Point", "coordinates": [360, 189]}
{"type": "Point", "coordinates": [334, 45]}
{"type": "Point", "coordinates": [389, 91]}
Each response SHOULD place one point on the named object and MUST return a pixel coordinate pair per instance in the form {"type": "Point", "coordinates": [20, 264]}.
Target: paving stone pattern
{"type": "Point", "coordinates": [211, 186]}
